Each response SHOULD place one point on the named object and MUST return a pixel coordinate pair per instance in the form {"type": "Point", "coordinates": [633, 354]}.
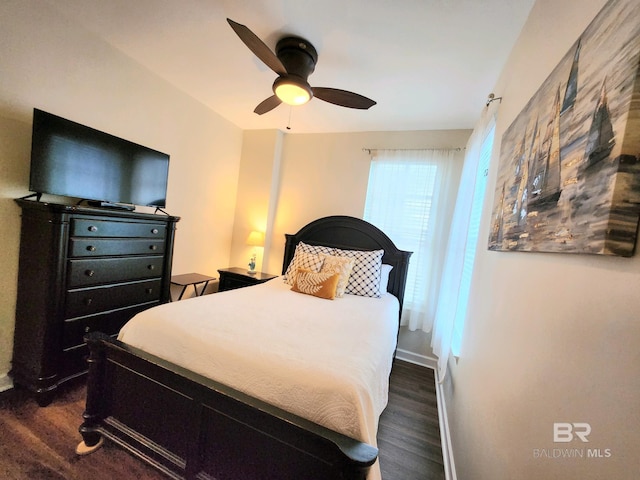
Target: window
{"type": "Point", "coordinates": [451, 309]}
{"type": "Point", "coordinates": [472, 241]}
{"type": "Point", "coordinates": [410, 196]}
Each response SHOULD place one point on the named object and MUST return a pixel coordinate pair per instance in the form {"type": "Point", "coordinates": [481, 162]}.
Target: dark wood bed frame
{"type": "Point", "coordinates": [189, 426]}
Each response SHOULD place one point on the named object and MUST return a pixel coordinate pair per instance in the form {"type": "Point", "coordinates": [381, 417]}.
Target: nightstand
{"type": "Point", "coordinates": [236, 277]}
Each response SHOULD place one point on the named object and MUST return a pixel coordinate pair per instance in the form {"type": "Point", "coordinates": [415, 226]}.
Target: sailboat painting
{"type": "Point", "coordinates": [569, 174]}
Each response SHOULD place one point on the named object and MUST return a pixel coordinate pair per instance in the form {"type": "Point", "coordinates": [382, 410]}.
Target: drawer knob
{"type": "Point", "coordinates": [154, 231]}
{"type": "Point", "coordinates": [91, 248]}
{"type": "Point", "coordinates": [87, 329]}
{"type": "Point", "coordinates": [153, 247]}
{"type": "Point", "coordinates": [88, 301]}
{"type": "Point", "coordinates": [93, 228]}
{"type": "Point", "coordinates": [89, 273]}
{"type": "Point", "coordinates": [149, 291]}
{"type": "Point", "coordinates": [151, 267]}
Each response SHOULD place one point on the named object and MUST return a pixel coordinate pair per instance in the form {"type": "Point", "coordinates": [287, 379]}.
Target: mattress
{"type": "Point", "coordinates": [325, 360]}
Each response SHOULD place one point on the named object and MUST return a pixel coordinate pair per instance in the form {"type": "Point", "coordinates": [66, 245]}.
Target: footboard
{"type": "Point", "coordinates": [189, 426]}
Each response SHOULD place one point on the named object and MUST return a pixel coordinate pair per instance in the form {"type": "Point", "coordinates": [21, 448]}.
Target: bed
{"type": "Point", "coordinates": [172, 413]}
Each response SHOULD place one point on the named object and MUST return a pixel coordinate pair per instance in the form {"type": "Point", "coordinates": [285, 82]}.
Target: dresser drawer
{"type": "Point", "coordinates": [108, 322]}
{"type": "Point", "coordinates": [92, 300]}
{"type": "Point", "coordinates": [96, 271]}
{"type": "Point", "coordinates": [89, 227]}
{"type": "Point", "coordinates": [100, 247]}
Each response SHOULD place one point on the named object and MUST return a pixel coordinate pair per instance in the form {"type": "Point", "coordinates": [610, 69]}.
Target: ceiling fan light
{"type": "Point", "coordinates": [292, 92]}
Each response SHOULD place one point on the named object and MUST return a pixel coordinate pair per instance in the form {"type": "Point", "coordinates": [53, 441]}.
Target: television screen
{"type": "Point", "coordinates": [73, 160]}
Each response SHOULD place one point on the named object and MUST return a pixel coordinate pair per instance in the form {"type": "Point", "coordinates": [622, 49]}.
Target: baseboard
{"type": "Point", "coordinates": [445, 433]}
{"type": "Point", "coordinates": [5, 382]}
{"type": "Point", "coordinates": [416, 358]}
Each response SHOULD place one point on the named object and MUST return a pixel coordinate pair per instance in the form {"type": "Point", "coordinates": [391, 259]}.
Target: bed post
{"type": "Point", "coordinates": [92, 439]}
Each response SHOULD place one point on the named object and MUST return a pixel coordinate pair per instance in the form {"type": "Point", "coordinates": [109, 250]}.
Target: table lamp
{"type": "Point", "coordinates": [255, 239]}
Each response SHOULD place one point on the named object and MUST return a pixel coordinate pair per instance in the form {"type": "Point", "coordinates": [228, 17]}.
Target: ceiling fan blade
{"type": "Point", "coordinates": [343, 98]}
{"type": "Point", "coordinates": [258, 47]}
{"type": "Point", "coordinates": [267, 105]}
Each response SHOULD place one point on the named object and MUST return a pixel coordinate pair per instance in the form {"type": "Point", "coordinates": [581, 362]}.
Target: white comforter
{"type": "Point", "coordinates": [325, 360]}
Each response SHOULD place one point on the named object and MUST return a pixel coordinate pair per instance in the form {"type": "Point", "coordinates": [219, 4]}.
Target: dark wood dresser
{"type": "Point", "coordinates": [235, 277]}
{"type": "Point", "coordinates": [82, 269]}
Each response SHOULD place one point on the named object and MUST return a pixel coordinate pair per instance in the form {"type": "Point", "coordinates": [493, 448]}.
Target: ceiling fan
{"type": "Point", "coordinates": [295, 59]}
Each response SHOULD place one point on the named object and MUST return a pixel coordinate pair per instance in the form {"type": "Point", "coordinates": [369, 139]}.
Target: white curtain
{"type": "Point", "coordinates": [410, 196]}
{"type": "Point", "coordinates": [449, 295]}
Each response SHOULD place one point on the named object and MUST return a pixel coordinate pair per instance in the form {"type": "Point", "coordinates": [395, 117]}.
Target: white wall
{"type": "Point", "coordinates": [47, 61]}
{"type": "Point", "coordinates": [258, 184]}
{"type": "Point", "coordinates": [552, 337]}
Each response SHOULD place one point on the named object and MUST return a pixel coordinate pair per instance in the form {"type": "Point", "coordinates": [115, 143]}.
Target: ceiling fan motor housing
{"type": "Point", "coordinates": [297, 55]}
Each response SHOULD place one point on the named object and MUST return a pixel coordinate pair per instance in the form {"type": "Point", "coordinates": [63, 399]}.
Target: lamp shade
{"type": "Point", "coordinates": [292, 91]}
{"type": "Point", "coordinates": [255, 239]}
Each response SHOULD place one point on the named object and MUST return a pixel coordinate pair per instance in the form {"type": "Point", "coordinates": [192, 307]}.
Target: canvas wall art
{"type": "Point", "coordinates": [569, 174]}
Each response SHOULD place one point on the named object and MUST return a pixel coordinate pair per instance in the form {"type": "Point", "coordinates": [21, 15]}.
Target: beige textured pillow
{"type": "Point", "coordinates": [318, 284]}
{"type": "Point", "coordinates": [341, 265]}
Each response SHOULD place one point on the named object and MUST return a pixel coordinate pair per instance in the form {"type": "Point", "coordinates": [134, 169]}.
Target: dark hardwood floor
{"type": "Point", "coordinates": [408, 433]}
{"type": "Point", "coordinates": [39, 443]}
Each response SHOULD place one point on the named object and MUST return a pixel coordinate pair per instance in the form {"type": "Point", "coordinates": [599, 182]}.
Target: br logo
{"type": "Point", "coordinates": [565, 432]}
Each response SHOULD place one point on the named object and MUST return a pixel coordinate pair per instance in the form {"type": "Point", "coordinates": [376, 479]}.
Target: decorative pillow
{"type": "Point", "coordinates": [365, 276]}
{"type": "Point", "coordinates": [341, 265]}
{"type": "Point", "coordinates": [318, 284]}
{"type": "Point", "coordinates": [298, 261]}
{"type": "Point", "coordinates": [310, 261]}
{"type": "Point", "coordinates": [384, 278]}
{"type": "Point", "coordinates": [317, 249]}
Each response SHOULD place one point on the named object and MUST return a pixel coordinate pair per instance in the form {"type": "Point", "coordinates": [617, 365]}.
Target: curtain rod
{"type": "Point", "coordinates": [369, 150]}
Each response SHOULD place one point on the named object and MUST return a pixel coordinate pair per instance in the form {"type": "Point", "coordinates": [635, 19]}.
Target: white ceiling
{"type": "Point", "coordinates": [429, 64]}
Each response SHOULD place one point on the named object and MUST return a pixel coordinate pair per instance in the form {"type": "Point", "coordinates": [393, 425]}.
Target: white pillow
{"type": "Point", "coordinates": [365, 276]}
{"type": "Point", "coordinates": [384, 278]}
{"type": "Point", "coordinates": [305, 256]}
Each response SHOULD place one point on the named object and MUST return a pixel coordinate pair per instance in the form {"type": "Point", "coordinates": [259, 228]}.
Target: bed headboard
{"type": "Point", "coordinates": [350, 233]}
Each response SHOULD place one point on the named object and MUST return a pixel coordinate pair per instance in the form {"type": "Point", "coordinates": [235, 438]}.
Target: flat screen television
{"type": "Point", "coordinates": [73, 160]}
